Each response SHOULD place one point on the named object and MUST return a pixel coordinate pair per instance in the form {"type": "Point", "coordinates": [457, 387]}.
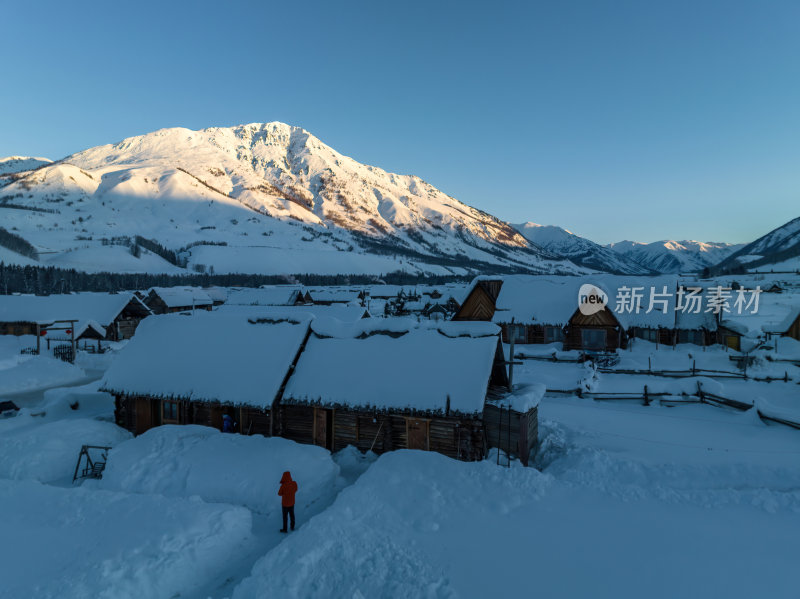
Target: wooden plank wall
{"type": "Point", "coordinates": [138, 414]}
{"type": "Point", "coordinates": [514, 432]}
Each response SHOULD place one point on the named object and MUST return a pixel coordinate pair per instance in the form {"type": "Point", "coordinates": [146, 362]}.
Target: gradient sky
{"type": "Point", "coordinates": [616, 120]}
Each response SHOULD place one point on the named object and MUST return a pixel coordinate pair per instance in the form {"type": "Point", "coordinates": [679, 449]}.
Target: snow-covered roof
{"type": "Point", "coordinates": [335, 294]}
{"type": "Point", "coordinates": [210, 356]}
{"type": "Point", "coordinates": [217, 294]}
{"type": "Point", "coordinates": [775, 314]}
{"type": "Point", "coordinates": [524, 398]}
{"type": "Point", "coordinates": [182, 297]}
{"type": "Point", "coordinates": [86, 326]}
{"type": "Point", "coordinates": [272, 295]}
{"type": "Point", "coordinates": [553, 300]}
{"type": "Point", "coordinates": [396, 364]}
{"type": "Point", "coordinates": [101, 308]}
{"type": "Point", "coordinates": [346, 313]}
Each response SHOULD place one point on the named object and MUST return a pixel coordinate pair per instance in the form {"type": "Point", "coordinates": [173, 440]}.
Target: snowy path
{"type": "Point", "coordinates": [265, 527]}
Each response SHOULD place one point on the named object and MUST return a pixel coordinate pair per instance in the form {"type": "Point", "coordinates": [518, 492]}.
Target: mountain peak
{"type": "Point", "coordinates": [249, 185]}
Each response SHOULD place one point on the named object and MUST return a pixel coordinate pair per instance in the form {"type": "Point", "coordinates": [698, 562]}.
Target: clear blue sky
{"type": "Point", "coordinates": [645, 120]}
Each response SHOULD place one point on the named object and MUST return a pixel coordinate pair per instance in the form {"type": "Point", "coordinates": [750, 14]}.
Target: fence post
{"type": "Point", "coordinates": [646, 398]}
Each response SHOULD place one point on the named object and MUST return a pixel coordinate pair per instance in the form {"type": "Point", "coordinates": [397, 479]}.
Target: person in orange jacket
{"type": "Point", "coordinates": [287, 491]}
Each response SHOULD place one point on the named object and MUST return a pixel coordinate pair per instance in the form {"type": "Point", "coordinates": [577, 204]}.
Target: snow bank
{"type": "Point", "coordinates": [182, 461]}
{"type": "Point", "coordinates": [10, 347]}
{"type": "Point", "coordinates": [48, 452]}
{"type": "Point", "coordinates": [66, 543]}
{"type": "Point", "coordinates": [39, 372]}
{"type": "Point", "coordinates": [418, 524]}
{"type": "Point", "coordinates": [378, 538]}
{"type": "Point", "coordinates": [84, 401]}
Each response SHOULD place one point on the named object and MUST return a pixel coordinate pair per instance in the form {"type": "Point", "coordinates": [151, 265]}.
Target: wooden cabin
{"type": "Point", "coordinates": [182, 369]}
{"type": "Point", "coordinates": [421, 388]}
{"type": "Point", "coordinates": [377, 386]}
{"type": "Point", "coordinates": [599, 332]}
{"type": "Point", "coordinates": [778, 315]}
{"type": "Point", "coordinates": [271, 295]}
{"type": "Point", "coordinates": [112, 316]}
{"type": "Point", "coordinates": [545, 309]}
{"type": "Point", "coordinates": [168, 300]}
{"type": "Point", "coordinates": [528, 309]}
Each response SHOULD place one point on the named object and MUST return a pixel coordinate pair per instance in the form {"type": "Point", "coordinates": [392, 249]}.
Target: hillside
{"type": "Point", "coordinates": [778, 250]}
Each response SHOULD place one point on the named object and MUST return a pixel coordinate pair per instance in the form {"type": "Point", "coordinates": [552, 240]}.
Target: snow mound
{"type": "Point", "coordinates": [48, 452]}
{"type": "Point", "coordinates": [183, 461]}
{"type": "Point", "coordinates": [40, 372]}
{"type": "Point", "coordinates": [382, 537]}
{"type": "Point", "coordinates": [65, 543]}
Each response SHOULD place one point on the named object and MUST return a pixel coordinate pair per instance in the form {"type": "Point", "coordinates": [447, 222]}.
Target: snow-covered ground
{"type": "Point", "coordinates": [625, 500]}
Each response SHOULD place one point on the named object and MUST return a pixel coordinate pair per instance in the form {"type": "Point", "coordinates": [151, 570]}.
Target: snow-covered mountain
{"type": "Point", "coordinates": [674, 256]}
{"type": "Point", "coordinates": [259, 198]}
{"type": "Point", "coordinates": [580, 250]}
{"type": "Point", "coordinates": [777, 250]}
{"type": "Point", "coordinates": [17, 164]}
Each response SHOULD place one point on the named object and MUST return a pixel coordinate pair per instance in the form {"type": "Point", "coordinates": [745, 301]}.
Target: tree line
{"type": "Point", "coordinates": [44, 280]}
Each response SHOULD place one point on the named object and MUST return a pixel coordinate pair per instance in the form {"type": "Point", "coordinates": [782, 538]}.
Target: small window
{"type": "Point", "coordinates": [593, 339]}
{"type": "Point", "coordinates": [518, 333]}
{"type": "Point", "coordinates": [169, 414]}
{"type": "Point", "coordinates": [553, 334]}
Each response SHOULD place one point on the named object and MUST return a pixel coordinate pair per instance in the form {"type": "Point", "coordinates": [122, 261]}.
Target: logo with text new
{"type": "Point", "coordinates": [591, 299]}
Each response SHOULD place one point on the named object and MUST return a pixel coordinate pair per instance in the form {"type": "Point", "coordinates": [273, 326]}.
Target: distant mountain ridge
{"type": "Point", "coordinates": [580, 250]}
{"type": "Point", "coordinates": [270, 198]}
{"type": "Point", "coordinates": [674, 257]}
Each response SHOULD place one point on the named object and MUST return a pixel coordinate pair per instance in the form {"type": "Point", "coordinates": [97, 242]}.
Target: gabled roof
{"type": "Point", "coordinates": [100, 308]}
{"type": "Point", "coordinates": [398, 364]}
{"type": "Point", "coordinates": [268, 295]}
{"type": "Point", "coordinates": [776, 313]}
{"type": "Point", "coordinates": [336, 294]}
{"type": "Point", "coordinates": [182, 297]}
{"type": "Point", "coordinates": [552, 300]}
{"type": "Point", "coordinates": [209, 356]}
{"type": "Point", "coordinates": [346, 313]}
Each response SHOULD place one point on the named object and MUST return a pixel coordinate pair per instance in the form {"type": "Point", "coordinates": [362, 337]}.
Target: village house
{"type": "Point", "coordinates": [270, 295]}
{"type": "Point", "coordinates": [778, 316]}
{"type": "Point", "coordinates": [167, 300]}
{"type": "Point", "coordinates": [376, 384]}
{"type": "Point", "coordinates": [346, 313]}
{"type": "Point", "coordinates": [397, 384]}
{"type": "Point", "coordinates": [337, 295]}
{"type": "Point", "coordinates": [98, 316]}
{"type": "Point", "coordinates": [194, 369]}
{"type": "Point", "coordinates": [545, 309]}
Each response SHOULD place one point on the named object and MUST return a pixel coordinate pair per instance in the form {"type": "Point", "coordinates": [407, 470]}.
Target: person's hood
{"type": "Point", "coordinates": [287, 477]}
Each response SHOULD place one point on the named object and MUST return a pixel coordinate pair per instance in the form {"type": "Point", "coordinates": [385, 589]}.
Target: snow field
{"type": "Point", "coordinates": [417, 524]}
{"type": "Point", "coordinates": [91, 543]}
{"type": "Point", "coordinates": [36, 373]}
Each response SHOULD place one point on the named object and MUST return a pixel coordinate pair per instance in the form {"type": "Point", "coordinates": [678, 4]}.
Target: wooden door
{"type": "Point", "coordinates": [144, 415]}
{"type": "Point", "coordinates": [417, 433]}
{"type": "Point", "coordinates": [732, 342]}
{"type": "Point", "coordinates": [321, 425]}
